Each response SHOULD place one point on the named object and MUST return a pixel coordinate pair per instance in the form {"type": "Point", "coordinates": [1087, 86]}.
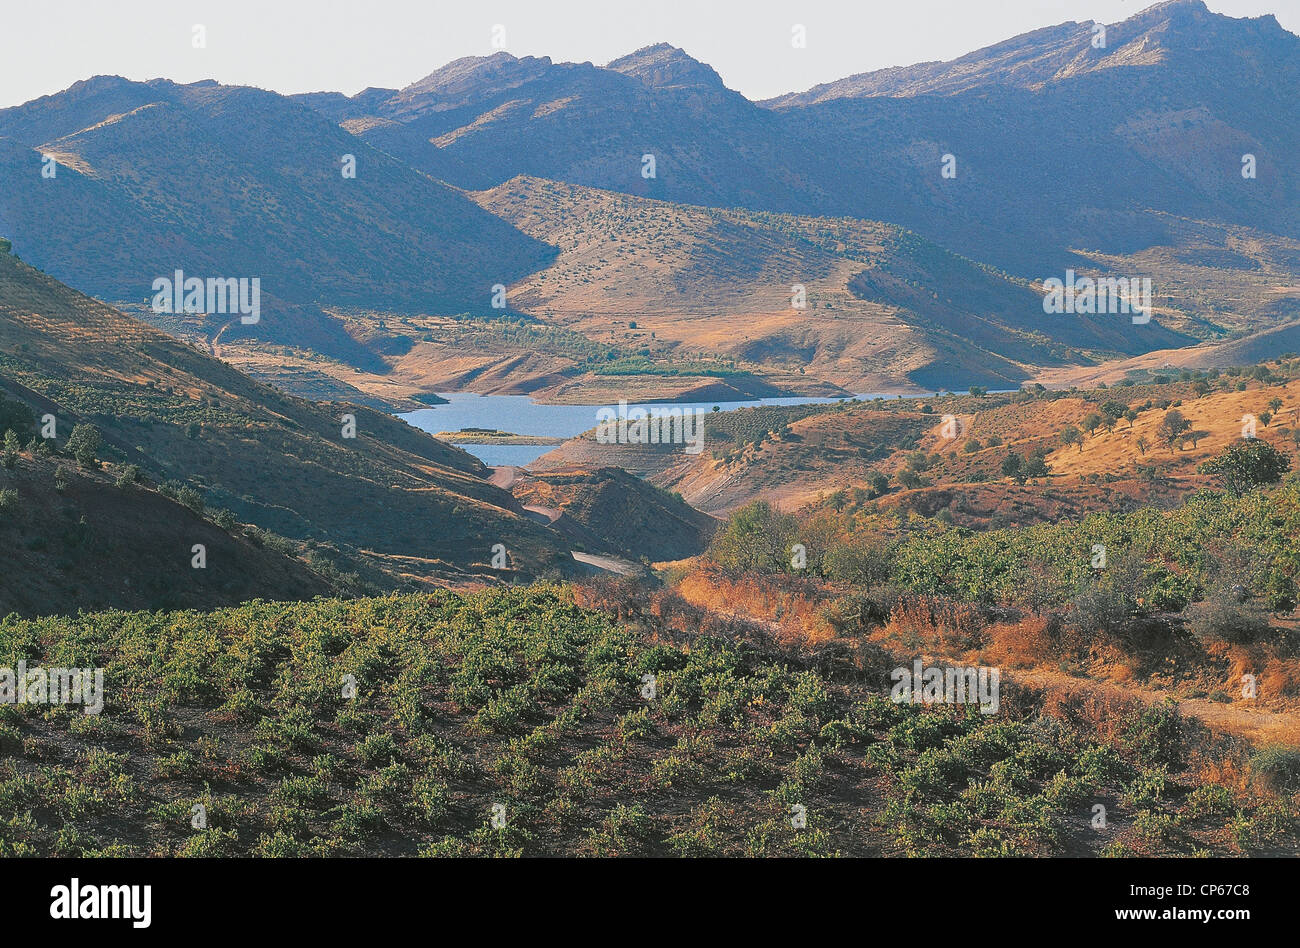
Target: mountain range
{"type": "Point", "coordinates": [924, 203]}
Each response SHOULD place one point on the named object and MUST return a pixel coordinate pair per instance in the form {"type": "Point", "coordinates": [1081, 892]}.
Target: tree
{"type": "Point", "coordinates": [17, 416]}
{"type": "Point", "coordinates": [1114, 409]}
{"type": "Point", "coordinates": [84, 444]}
{"type": "Point", "coordinates": [1072, 435]}
{"type": "Point", "coordinates": [11, 448]}
{"type": "Point", "coordinates": [1201, 388]}
{"type": "Point", "coordinates": [877, 484]}
{"type": "Point", "coordinates": [1130, 416]}
{"type": "Point", "coordinates": [1035, 466]}
{"type": "Point", "coordinates": [1274, 404]}
{"type": "Point", "coordinates": [1092, 422]}
{"type": "Point", "coordinates": [756, 537]}
{"type": "Point", "coordinates": [1012, 466]}
{"type": "Point", "coordinates": [910, 479]}
{"type": "Point", "coordinates": [1172, 426]}
{"type": "Point", "coordinates": [1265, 417]}
{"type": "Point", "coordinates": [1195, 436]}
{"type": "Point", "coordinates": [1142, 443]}
{"type": "Point", "coordinates": [979, 391]}
{"type": "Point", "coordinates": [1248, 464]}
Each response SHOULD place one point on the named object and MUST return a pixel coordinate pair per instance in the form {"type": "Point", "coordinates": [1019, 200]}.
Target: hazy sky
{"type": "Point", "coordinates": [346, 45]}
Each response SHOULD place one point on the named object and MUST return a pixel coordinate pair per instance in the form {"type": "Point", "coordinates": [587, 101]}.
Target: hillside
{"type": "Point", "coordinates": [73, 538]}
{"type": "Point", "coordinates": [620, 512]}
{"type": "Point", "coordinates": [516, 723]}
{"type": "Point", "coordinates": [390, 494]}
{"type": "Point", "coordinates": [157, 162]}
{"type": "Point", "coordinates": [883, 306]}
{"type": "Point", "coordinates": [835, 453]}
{"type": "Point", "coordinates": [1025, 197]}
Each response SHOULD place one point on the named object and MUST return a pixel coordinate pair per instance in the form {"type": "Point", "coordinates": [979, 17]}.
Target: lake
{"type": "Point", "coordinates": [519, 414]}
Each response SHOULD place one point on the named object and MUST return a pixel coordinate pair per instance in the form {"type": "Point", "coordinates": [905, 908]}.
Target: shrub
{"type": "Point", "coordinates": [16, 416]}
{"type": "Point", "coordinates": [1224, 617]}
{"type": "Point", "coordinates": [1279, 766]}
{"type": "Point", "coordinates": [1155, 734]}
{"type": "Point", "coordinates": [11, 448]}
{"type": "Point", "coordinates": [128, 475]}
{"type": "Point", "coordinates": [1248, 464]}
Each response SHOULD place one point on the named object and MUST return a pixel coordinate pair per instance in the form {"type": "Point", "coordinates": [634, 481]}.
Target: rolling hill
{"type": "Point", "coordinates": [236, 182]}
{"type": "Point", "coordinates": [391, 496]}
{"type": "Point", "coordinates": [704, 248]}
{"type": "Point", "coordinates": [1168, 107]}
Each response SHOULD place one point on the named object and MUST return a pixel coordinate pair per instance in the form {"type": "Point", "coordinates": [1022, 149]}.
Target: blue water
{"type": "Point", "coordinates": [518, 414]}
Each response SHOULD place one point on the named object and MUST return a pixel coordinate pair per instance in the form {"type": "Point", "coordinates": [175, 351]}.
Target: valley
{"type": "Point", "coordinates": [596, 448]}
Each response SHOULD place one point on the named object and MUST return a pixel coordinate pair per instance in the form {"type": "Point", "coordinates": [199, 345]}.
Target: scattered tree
{"type": "Point", "coordinates": [16, 416]}
{"type": "Point", "coordinates": [11, 448]}
{"type": "Point", "coordinates": [84, 444]}
{"type": "Point", "coordinates": [1172, 426]}
{"type": "Point", "coordinates": [1247, 464]}
{"type": "Point", "coordinates": [1012, 466]}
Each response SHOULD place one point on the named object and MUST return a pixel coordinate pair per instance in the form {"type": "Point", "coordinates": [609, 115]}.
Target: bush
{"type": "Point", "coordinates": [1107, 600]}
{"type": "Point", "coordinates": [1223, 617]}
{"type": "Point", "coordinates": [1279, 766]}
{"type": "Point", "coordinates": [128, 475]}
{"type": "Point", "coordinates": [1156, 735]}
{"type": "Point", "coordinates": [1248, 464]}
{"type": "Point", "coordinates": [9, 457]}
{"type": "Point", "coordinates": [16, 416]}
{"type": "Point", "coordinates": [85, 444]}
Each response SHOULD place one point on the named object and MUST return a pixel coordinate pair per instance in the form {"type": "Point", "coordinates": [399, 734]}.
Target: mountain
{"type": "Point", "coordinates": [666, 67]}
{"type": "Point", "coordinates": [883, 304]}
{"type": "Point", "coordinates": [985, 189]}
{"type": "Point", "coordinates": [390, 499]}
{"type": "Point", "coordinates": [502, 116]}
{"type": "Point", "coordinates": [1174, 33]}
{"type": "Point", "coordinates": [1161, 117]}
{"type": "Point", "coordinates": [222, 181]}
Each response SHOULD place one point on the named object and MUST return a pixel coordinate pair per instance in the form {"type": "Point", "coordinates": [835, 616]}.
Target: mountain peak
{"type": "Point", "coordinates": [500, 68]}
{"type": "Point", "coordinates": [1170, 5]}
{"type": "Point", "coordinates": [663, 66]}
{"type": "Point", "coordinates": [1180, 28]}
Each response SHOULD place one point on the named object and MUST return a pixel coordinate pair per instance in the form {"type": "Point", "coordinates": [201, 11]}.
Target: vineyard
{"type": "Point", "coordinates": [517, 722]}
